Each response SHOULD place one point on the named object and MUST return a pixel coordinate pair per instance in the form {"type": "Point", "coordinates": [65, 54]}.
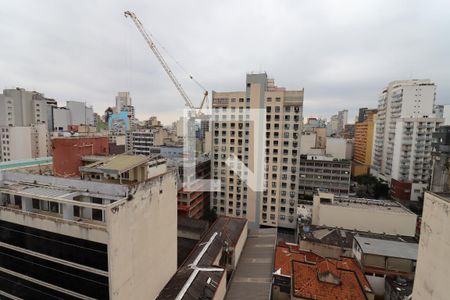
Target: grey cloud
{"type": "Point", "coordinates": [342, 52]}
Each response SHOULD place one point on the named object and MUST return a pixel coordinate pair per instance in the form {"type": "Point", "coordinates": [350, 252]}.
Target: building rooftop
{"type": "Point", "coordinates": [117, 164]}
{"type": "Point", "coordinates": [25, 163]}
{"type": "Point", "coordinates": [199, 275]}
{"type": "Point", "coordinates": [342, 237]}
{"type": "Point", "coordinates": [316, 277]}
{"type": "Point", "coordinates": [253, 276]}
{"type": "Point", "coordinates": [353, 202]}
{"type": "Point", "coordinates": [387, 248]}
{"type": "Point", "coordinates": [308, 282]}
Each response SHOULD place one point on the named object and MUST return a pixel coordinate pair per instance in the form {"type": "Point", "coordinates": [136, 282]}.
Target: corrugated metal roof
{"type": "Point", "coordinates": [122, 163]}
{"type": "Point", "coordinates": [388, 248]}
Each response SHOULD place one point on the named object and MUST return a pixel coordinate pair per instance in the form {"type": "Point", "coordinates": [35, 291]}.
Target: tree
{"type": "Point", "coordinates": [210, 215]}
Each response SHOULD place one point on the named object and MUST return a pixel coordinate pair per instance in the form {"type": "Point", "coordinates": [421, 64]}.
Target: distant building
{"type": "Point", "coordinates": [301, 274]}
{"type": "Point", "coordinates": [122, 99]}
{"type": "Point", "coordinates": [69, 238]}
{"type": "Point", "coordinates": [20, 142]}
{"type": "Point", "coordinates": [339, 148]}
{"type": "Point", "coordinates": [363, 144]}
{"type": "Point", "coordinates": [75, 113]}
{"type": "Point", "coordinates": [440, 181]}
{"type": "Point", "coordinates": [342, 121]}
{"type": "Point", "coordinates": [433, 265]}
{"type": "Point", "coordinates": [139, 142]}
{"type": "Point", "coordinates": [68, 152]}
{"type": "Point", "coordinates": [323, 172]}
{"type": "Point", "coordinates": [19, 107]}
{"type": "Point", "coordinates": [402, 146]}
{"type": "Point", "coordinates": [349, 131]}
{"type": "Point", "coordinates": [364, 112]}
{"type": "Point", "coordinates": [378, 216]}
{"type": "Point", "coordinates": [119, 123]}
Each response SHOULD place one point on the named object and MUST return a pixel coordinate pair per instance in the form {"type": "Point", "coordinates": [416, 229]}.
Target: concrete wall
{"type": "Point", "coordinates": [364, 219]}
{"type": "Point", "coordinates": [56, 225]}
{"type": "Point", "coordinates": [142, 248]}
{"type": "Point", "coordinates": [339, 148]}
{"type": "Point", "coordinates": [433, 264]}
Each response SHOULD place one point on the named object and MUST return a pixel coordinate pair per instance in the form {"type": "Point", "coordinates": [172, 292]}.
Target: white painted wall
{"type": "Point", "coordinates": [364, 219]}
{"type": "Point", "coordinates": [142, 248]}
{"type": "Point", "coordinates": [433, 263]}
{"type": "Point", "coordinates": [339, 148]}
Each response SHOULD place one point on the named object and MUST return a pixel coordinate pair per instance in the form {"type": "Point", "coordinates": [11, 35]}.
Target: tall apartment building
{"type": "Point", "coordinates": [19, 107]}
{"type": "Point", "coordinates": [100, 238]}
{"type": "Point", "coordinates": [276, 205]}
{"type": "Point", "coordinates": [122, 99]}
{"type": "Point", "coordinates": [363, 143]}
{"type": "Point", "coordinates": [342, 120]}
{"type": "Point", "coordinates": [404, 127]}
{"type": "Point", "coordinates": [24, 142]}
{"type": "Point", "coordinates": [431, 280]}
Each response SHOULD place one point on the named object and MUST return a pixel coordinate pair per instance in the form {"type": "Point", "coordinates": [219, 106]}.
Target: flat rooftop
{"type": "Point", "coordinates": [388, 248]}
{"type": "Point", "coordinates": [343, 238]}
{"type": "Point", "coordinates": [363, 203]}
{"type": "Point", "coordinates": [116, 164]}
{"type": "Point", "coordinates": [253, 276]}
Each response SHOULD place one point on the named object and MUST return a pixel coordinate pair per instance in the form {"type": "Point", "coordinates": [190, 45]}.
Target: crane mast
{"type": "Point", "coordinates": [160, 58]}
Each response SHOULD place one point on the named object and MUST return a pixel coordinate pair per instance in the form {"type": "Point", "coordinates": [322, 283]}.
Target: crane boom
{"type": "Point", "coordinates": [160, 58]}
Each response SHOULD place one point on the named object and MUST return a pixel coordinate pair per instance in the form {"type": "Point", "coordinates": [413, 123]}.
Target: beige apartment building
{"type": "Point", "coordinates": [268, 146]}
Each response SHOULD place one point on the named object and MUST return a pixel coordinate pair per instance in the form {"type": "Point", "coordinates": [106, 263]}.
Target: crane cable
{"type": "Point", "coordinates": [177, 62]}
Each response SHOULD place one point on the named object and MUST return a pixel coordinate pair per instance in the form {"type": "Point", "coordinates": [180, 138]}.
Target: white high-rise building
{"type": "Point", "coordinates": [277, 204]}
{"type": "Point", "coordinates": [342, 120]}
{"type": "Point", "coordinates": [24, 142]}
{"type": "Point", "coordinates": [402, 144]}
{"type": "Point", "coordinates": [122, 99]}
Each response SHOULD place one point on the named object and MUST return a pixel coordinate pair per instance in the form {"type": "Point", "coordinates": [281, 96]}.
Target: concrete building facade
{"type": "Point", "coordinates": [378, 216]}
{"type": "Point", "coordinates": [276, 205]}
{"type": "Point", "coordinates": [404, 127]}
{"type": "Point", "coordinates": [325, 173]}
{"type": "Point", "coordinates": [77, 239]}
{"type": "Point", "coordinates": [363, 144]}
{"type": "Point", "coordinates": [431, 280]}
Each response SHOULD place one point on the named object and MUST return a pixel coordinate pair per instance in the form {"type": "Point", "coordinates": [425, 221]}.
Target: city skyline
{"type": "Point", "coordinates": [95, 52]}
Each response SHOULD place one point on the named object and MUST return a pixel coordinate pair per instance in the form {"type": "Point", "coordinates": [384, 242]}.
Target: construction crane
{"type": "Point", "coordinates": [166, 67]}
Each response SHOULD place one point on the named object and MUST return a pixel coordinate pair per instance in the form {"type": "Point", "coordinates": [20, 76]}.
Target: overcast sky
{"type": "Point", "coordinates": [342, 52]}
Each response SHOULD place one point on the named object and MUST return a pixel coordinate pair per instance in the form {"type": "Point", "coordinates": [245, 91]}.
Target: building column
{"type": "Point", "coordinates": [27, 204]}
{"type": "Point", "coordinates": [67, 211]}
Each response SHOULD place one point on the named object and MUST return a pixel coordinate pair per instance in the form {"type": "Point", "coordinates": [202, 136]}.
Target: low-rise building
{"type": "Point", "coordinates": [78, 239]}
{"type": "Point", "coordinates": [323, 172]}
{"type": "Point", "coordinates": [381, 257]}
{"type": "Point", "coordinates": [379, 216]}
{"type": "Point", "coordinates": [68, 152]}
{"type": "Point", "coordinates": [300, 274]}
{"type": "Point", "coordinates": [433, 263]}
{"type": "Point", "coordinates": [204, 274]}
{"type": "Point", "coordinates": [336, 242]}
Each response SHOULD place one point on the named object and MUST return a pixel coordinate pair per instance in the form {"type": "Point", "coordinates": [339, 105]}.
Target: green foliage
{"type": "Point", "coordinates": [371, 187]}
{"type": "Point", "coordinates": [210, 215]}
